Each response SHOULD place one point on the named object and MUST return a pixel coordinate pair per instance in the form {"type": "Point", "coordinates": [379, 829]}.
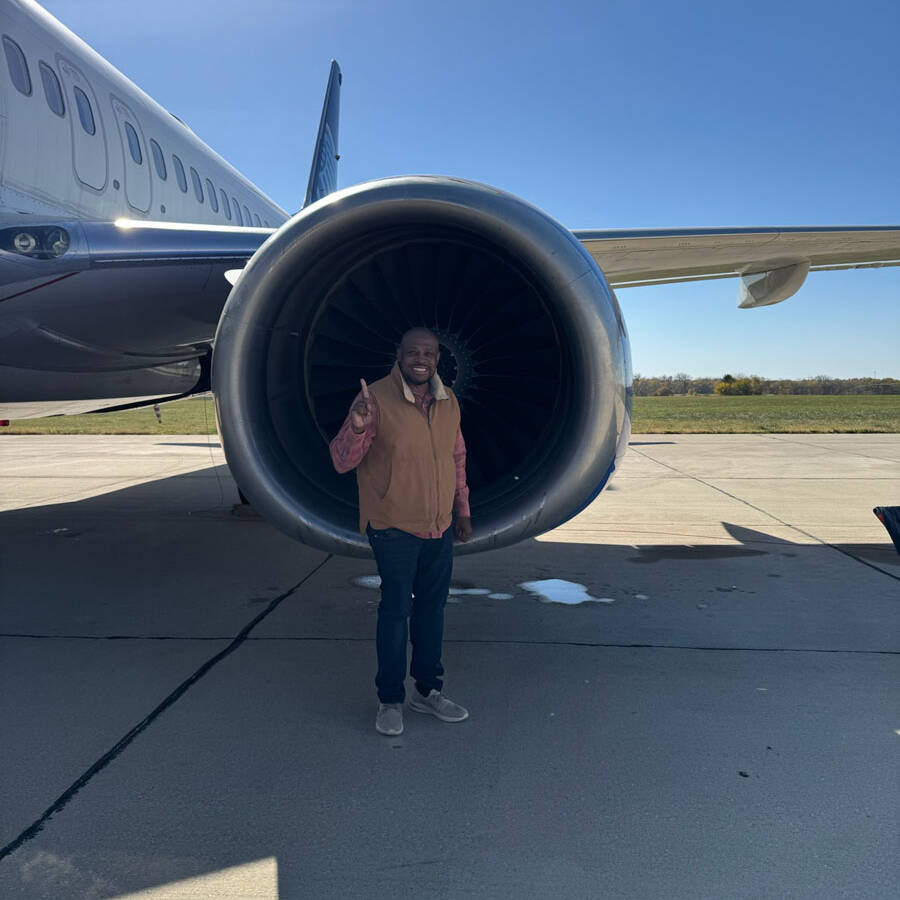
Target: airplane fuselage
{"type": "Point", "coordinates": [64, 168]}
{"type": "Point", "coordinates": [81, 147]}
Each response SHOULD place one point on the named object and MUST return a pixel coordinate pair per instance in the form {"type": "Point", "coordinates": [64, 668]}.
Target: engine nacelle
{"type": "Point", "coordinates": [532, 342]}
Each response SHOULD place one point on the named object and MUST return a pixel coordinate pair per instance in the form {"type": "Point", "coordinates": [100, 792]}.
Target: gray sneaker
{"type": "Point", "coordinates": [436, 704]}
{"type": "Point", "coordinates": [389, 719]}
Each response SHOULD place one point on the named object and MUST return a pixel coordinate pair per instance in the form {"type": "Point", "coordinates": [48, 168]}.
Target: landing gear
{"type": "Point", "coordinates": [244, 509]}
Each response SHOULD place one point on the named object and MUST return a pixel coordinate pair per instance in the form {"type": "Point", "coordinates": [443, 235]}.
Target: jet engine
{"type": "Point", "coordinates": [531, 340]}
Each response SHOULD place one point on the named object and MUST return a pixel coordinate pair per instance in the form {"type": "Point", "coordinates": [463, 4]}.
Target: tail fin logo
{"type": "Point", "coordinates": [326, 167]}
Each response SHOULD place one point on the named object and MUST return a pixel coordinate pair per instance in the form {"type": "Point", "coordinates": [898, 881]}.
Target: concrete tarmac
{"type": "Point", "coordinates": [187, 699]}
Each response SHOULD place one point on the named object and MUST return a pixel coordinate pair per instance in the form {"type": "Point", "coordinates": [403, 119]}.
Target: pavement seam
{"type": "Point", "coordinates": [511, 642]}
{"type": "Point", "coordinates": [772, 516]}
{"type": "Point", "coordinates": [62, 801]}
{"type": "Point", "coordinates": [832, 449]}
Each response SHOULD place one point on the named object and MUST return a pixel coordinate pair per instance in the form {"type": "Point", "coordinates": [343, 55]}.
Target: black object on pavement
{"type": "Point", "coordinates": [890, 518]}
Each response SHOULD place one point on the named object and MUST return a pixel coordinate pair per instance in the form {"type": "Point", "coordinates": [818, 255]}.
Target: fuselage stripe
{"type": "Point", "coordinates": [37, 287]}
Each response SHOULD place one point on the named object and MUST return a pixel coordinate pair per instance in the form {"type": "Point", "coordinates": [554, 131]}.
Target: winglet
{"type": "Point", "coordinates": [323, 174]}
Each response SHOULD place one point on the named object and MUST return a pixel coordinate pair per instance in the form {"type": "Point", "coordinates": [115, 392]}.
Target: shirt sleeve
{"type": "Point", "coordinates": [348, 448]}
{"type": "Point", "coordinates": [461, 499]}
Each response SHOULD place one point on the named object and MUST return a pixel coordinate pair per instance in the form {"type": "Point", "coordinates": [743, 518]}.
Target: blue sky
{"type": "Point", "coordinates": [605, 114]}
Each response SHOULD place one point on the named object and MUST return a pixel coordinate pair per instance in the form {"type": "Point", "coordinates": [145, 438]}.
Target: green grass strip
{"type": "Point", "coordinates": [702, 414]}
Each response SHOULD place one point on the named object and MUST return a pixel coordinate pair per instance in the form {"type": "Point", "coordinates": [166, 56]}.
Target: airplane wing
{"type": "Point", "coordinates": [126, 315]}
{"type": "Point", "coordinates": [772, 263]}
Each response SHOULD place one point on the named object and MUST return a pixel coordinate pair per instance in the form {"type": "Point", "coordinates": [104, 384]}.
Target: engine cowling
{"type": "Point", "coordinates": [532, 342]}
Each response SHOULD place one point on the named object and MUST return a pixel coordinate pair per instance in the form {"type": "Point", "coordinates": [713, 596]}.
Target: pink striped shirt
{"type": "Point", "coordinates": [348, 448]}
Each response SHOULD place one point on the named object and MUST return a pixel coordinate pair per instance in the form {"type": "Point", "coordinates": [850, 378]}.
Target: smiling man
{"type": "Point", "coordinates": [402, 436]}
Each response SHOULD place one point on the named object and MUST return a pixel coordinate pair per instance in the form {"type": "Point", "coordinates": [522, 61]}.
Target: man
{"type": "Point", "coordinates": [403, 438]}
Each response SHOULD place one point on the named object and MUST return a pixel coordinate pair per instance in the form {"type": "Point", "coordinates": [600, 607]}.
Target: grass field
{"type": "Point", "coordinates": [196, 415]}
{"type": "Point", "coordinates": [652, 415]}
{"type": "Point", "coordinates": [711, 414]}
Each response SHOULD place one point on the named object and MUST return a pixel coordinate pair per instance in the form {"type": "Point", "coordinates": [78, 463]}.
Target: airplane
{"type": "Point", "coordinates": [137, 265]}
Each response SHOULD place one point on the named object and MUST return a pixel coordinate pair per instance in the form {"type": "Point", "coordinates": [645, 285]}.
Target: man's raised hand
{"type": "Point", "coordinates": [362, 412]}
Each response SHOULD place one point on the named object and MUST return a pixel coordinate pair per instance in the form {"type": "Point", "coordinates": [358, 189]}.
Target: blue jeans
{"type": "Point", "coordinates": [409, 566]}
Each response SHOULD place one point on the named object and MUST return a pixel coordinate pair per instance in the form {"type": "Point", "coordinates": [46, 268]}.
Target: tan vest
{"type": "Point", "coordinates": [407, 479]}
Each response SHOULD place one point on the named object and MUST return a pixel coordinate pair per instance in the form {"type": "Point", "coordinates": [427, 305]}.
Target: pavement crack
{"type": "Point", "coordinates": [772, 516]}
{"type": "Point", "coordinates": [62, 801]}
{"type": "Point", "coordinates": [420, 862]}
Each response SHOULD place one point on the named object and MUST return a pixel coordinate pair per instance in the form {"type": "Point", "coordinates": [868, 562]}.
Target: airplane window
{"type": "Point", "coordinates": [17, 65]}
{"type": "Point", "coordinates": [85, 113]}
{"type": "Point", "coordinates": [52, 90]}
{"type": "Point", "coordinates": [211, 193]}
{"type": "Point", "coordinates": [256, 220]}
{"type": "Point", "coordinates": [158, 159]}
{"type": "Point", "coordinates": [237, 211]}
{"type": "Point", "coordinates": [134, 145]}
{"type": "Point", "coordinates": [198, 188]}
{"type": "Point", "coordinates": [225, 205]}
{"type": "Point", "coordinates": [179, 174]}
{"type": "Point", "coordinates": [247, 219]}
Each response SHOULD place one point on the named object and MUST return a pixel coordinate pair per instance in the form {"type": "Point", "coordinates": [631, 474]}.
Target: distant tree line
{"type": "Point", "coordinates": [682, 383]}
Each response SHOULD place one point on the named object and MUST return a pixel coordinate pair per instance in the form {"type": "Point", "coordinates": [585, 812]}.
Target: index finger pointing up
{"type": "Point", "coordinates": [365, 388]}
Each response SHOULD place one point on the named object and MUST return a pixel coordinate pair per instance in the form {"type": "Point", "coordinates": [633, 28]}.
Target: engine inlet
{"type": "Point", "coordinates": [530, 336]}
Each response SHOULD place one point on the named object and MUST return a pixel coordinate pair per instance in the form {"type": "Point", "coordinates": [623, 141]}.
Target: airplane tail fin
{"type": "Point", "coordinates": [323, 173]}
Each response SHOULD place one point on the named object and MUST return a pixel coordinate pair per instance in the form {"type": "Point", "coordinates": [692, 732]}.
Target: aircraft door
{"type": "Point", "coordinates": [134, 153]}
{"type": "Point", "coordinates": [88, 135]}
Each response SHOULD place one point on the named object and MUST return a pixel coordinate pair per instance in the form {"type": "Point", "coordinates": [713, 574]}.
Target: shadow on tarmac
{"type": "Point", "coordinates": [555, 786]}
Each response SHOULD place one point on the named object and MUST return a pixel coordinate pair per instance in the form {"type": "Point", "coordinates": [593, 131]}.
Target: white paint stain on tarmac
{"type": "Point", "coordinates": [555, 590]}
{"type": "Point", "coordinates": [368, 581]}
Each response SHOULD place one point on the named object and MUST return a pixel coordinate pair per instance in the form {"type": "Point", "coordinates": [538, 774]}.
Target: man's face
{"type": "Point", "coordinates": [418, 358]}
